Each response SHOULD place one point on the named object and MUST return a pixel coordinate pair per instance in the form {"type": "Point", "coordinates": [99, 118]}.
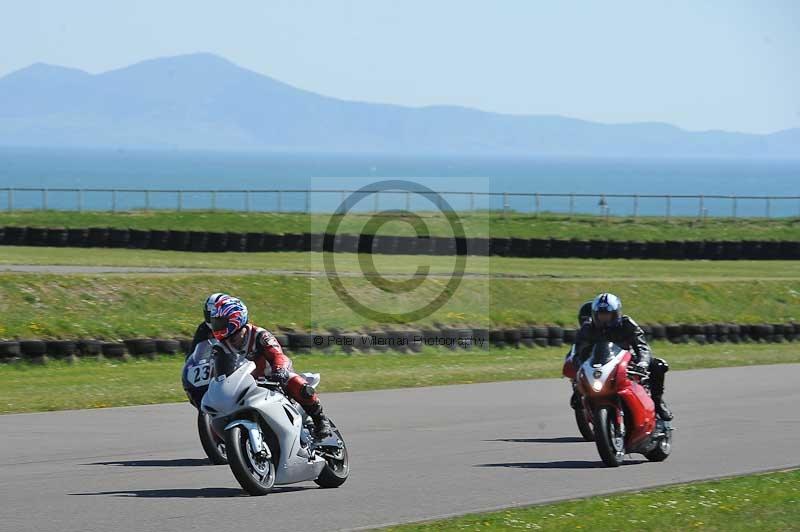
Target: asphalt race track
{"type": "Point", "coordinates": [415, 454]}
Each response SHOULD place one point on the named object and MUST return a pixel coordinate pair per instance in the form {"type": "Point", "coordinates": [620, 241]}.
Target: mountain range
{"type": "Point", "coordinates": [202, 101]}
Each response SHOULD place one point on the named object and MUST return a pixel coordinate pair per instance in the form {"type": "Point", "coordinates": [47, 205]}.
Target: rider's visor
{"type": "Point", "coordinates": [604, 317]}
{"type": "Point", "coordinates": [219, 324]}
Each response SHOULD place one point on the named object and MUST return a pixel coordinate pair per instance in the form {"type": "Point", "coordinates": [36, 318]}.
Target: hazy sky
{"type": "Point", "coordinates": [728, 64]}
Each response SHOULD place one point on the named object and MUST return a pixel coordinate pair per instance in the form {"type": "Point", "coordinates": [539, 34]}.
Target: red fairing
{"type": "Point", "coordinates": [639, 403]}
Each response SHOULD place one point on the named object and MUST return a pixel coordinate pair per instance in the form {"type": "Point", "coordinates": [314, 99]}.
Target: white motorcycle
{"type": "Point", "coordinates": [268, 437]}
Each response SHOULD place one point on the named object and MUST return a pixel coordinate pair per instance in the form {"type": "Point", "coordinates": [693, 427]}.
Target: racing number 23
{"type": "Point", "coordinates": [202, 374]}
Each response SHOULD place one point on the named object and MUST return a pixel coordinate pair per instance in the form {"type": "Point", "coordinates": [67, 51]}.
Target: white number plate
{"type": "Point", "coordinates": [200, 375]}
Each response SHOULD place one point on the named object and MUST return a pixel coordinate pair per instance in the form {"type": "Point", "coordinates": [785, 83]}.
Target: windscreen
{"type": "Point", "coordinates": [602, 352]}
{"type": "Point", "coordinates": [226, 363]}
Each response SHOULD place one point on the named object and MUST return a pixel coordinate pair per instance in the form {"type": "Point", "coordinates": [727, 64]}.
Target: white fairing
{"type": "Point", "coordinates": [222, 401]}
{"type": "Point", "coordinates": [603, 371]}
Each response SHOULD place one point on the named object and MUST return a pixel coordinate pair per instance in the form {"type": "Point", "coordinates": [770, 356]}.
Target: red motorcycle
{"type": "Point", "coordinates": [623, 414]}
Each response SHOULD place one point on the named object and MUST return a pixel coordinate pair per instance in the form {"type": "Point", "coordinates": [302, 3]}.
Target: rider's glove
{"type": "Point", "coordinates": [280, 375]}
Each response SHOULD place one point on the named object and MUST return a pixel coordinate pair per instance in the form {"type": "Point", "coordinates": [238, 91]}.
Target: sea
{"type": "Point", "coordinates": [186, 179]}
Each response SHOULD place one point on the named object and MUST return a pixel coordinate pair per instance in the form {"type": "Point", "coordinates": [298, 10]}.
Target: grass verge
{"type": "Point", "coordinates": [166, 305]}
{"type": "Point", "coordinates": [565, 269]}
{"type": "Point", "coordinates": [97, 384]}
{"type": "Point", "coordinates": [476, 224]}
{"type": "Point", "coordinates": [768, 501]}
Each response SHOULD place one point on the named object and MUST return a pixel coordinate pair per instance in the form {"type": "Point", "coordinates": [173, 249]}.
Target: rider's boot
{"type": "Point", "coordinates": [322, 425]}
{"type": "Point", "coordinates": [657, 370]}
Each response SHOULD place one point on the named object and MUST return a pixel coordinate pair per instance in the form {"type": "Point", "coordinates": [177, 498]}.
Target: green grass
{"type": "Point", "coordinates": [129, 305]}
{"type": "Point", "coordinates": [477, 224]}
{"type": "Point", "coordinates": [756, 502]}
{"type": "Point", "coordinates": [95, 384]}
{"type": "Point", "coordinates": [567, 269]}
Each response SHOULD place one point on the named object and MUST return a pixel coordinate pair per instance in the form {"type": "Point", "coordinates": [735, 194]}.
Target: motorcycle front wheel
{"type": "Point", "coordinates": [609, 438]}
{"type": "Point", "coordinates": [212, 444]}
{"type": "Point", "coordinates": [254, 472]}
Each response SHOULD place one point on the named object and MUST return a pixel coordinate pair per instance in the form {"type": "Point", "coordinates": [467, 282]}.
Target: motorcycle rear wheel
{"type": "Point", "coordinates": [337, 467]}
{"type": "Point", "coordinates": [662, 450]}
{"type": "Point", "coordinates": [610, 439]}
{"type": "Point", "coordinates": [256, 476]}
{"type": "Point", "coordinates": [212, 445]}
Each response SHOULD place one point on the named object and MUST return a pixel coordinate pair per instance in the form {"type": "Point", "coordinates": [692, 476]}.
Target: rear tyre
{"type": "Point", "coordinates": [337, 466]}
{"type": "Point", "coordinates": [584, 424]}
{"type": "Point", "coordinates": [609, 438]}
{"type": "Point", "coordinates": [256, 474]}
{"type": "Point", "coordinates": [212, 444]}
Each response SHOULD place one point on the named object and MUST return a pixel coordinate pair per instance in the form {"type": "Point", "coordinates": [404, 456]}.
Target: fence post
{"type": "Point", "coordinates": [308, 201]}
{"type": "Point", "coordinates": [635, 206]}
{"type": "Point", "coordinates": [213, 200]}
{"type": "Point", "coordinates": [767, 205]}
{"type": "Point", "coordinates": [44, 199]}
{"type": "Point", "coordinates": [114, 200]}
{"type": "Point", "coordinates": [247, 201]}
{"type": "Point", "coordinates": [180, 200]}
{"type": "Point", "coordinates": [10, 200]}
{"type": "Point", "coordinates": [80, 200]}
{"type": "Point", "coordinates": [700, 212]}
{"type": "Point", "coordinates": [571, 204]}
{"type": "Point", "coordinates": [669, 206]}
{"type": "Point", "coordinates": [472, 201]}
{"type": "Point", "coordinates": [733, 206]}
{"type": "Point", "coordinates": [146, 200]}
{"type": "Point", "coordinates": [377, 203]}
{"type": "Point", "coordinates": [505, 204]}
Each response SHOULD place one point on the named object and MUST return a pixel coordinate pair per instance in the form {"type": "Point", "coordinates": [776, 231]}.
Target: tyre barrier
{"type": "Point", "coordinates": [37, 236]}
{"type": "Point", "coordinates": [405, 341]}
{"type": "Point", "coordinates": [9, 350]}
{"type": "Point", "coordinates": [141, 346]}
{"type": "Point", "coordinates": [139, 239]}
{"type": "Point", "coordinates": [200, 241]}
{"type": "Point", "coordinates": [114, 350]}
{"type": "Point", "coordinates": [16, 236]}
{"type": "Point", "coordinates": [60, 349]}
{"type": "Point", "coordinates": [119, 238]}
{"type": "Point", "coordinates": [57, 237]}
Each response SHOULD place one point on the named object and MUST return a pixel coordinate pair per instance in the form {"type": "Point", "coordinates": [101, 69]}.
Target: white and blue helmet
{"type": "Point", "coordinates": [606, 302]}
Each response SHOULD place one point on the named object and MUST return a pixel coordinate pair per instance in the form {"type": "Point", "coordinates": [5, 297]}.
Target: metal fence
{"type": "Point", "coordinates": [327, 200]}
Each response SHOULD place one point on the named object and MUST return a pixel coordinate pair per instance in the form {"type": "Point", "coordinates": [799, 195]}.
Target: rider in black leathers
{"type": "Point", "coordinates": [608, 324]}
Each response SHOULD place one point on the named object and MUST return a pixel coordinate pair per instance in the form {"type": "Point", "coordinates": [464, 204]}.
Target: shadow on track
{"type": "Point", "coordinates": [560, 464]}
{"type": "Point", "coordinates": [562, 439]}
{"type": "Point", "coordinates": [191, 493]}
{"type": "Point", "coordinates": [178, 462]}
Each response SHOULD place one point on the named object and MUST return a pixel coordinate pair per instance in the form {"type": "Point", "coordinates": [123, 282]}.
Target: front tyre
{"type": "Point", "coordinates": [212, 444]}
{"type": "Point", "coordinates": [609, 438]}
{"type": "Point", "coordinates": [255, 472]}
{"type": "Point", "coordinates": [337, 466]}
